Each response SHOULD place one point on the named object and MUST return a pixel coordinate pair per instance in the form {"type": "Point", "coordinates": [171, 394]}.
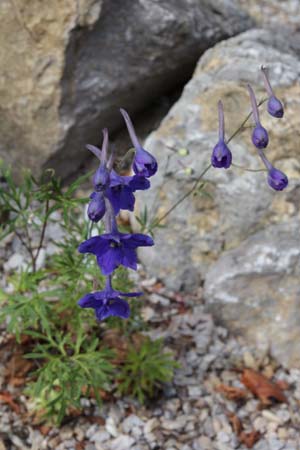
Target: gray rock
{"type": "Point", "coordinates": [255, 289]}
{"type": "Point", "coordinates": [93, 57]}
{"type": "Point", "coordinates": [241, 202]}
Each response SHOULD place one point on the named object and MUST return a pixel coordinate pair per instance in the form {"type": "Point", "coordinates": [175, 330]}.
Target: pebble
{"type": "Point", "coordinates": [150, 425]}
{"type": "Point", "coordinates": [122, 442]}
{"type": "Point", "coordinates": [130, 422]}
{"type": "Point", "coordinates": [100, 436]}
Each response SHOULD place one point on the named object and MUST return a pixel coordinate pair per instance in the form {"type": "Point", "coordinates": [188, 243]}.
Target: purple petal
{"type": "Point", "coordinates": [110, 260]}
{"type": "Point", "coordinates": [137, 240]}
{"type": "Point", "coordinates": [95, 245]}
{"type": "Point", "coordinates": [129, 258]}
{"type": "Point", "coordinates": [92, 300]}
{"type": "Point", "coordinates": [119, 308]}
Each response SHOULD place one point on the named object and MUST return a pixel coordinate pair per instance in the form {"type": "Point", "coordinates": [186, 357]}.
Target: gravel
{"type": "Point", "coordinates": [190, 414]}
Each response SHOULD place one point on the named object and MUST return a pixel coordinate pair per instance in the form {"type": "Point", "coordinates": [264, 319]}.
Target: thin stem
{"type": "Point", "coordinates": [43, 230]}
{"type": "Point", "coordinates": [266, 81]}
{"type": "Point", "coordinates": [246, 169]}
{"type": "Point", "coordinates": [221, 120]}
{"type": "Point", "coordinates": [189, 192]}
{"type": "Point", "coordinates": [265, 160]}
{"type": "Point", "coordinates": [254, 105]}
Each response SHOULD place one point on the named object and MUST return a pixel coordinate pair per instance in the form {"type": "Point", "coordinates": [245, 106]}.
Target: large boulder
{"type": "Point", "coordinates": [255, 290]}
{"type": "Point", "coordinates": [67, 66]}
{"type": "Point", "coordinates": [237, 203]}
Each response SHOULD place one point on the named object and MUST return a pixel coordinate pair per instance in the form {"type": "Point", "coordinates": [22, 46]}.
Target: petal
{"type": "Point", "coordinates": [103, 312]}
{"type": "Point", "coordinates": [90, 301]}
{"type": "Point", "coordinates": [110, 260]}
{"type": "Point", "coordinates": [130, 294]}
{"type": "Point", "coordinates": [95, 245]}
{"type": "Point", "coordinates": [129, 258]}
{"type": "Point", "coordinates": [139, 183]}
{"type": "Point", "coordinates": [137, 240]}
{"type": "Point", "coordinates": [119, 308]}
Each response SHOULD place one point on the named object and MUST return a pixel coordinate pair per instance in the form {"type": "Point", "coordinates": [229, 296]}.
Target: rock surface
{"type": "Point", "coordinates": [67, 66]}
{"type": "Point", "coordinates": [241, 203]}
{"type": "Point", "coordinates": [255, 289]}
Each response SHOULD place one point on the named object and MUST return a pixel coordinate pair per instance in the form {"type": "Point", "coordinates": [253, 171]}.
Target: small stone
{"type": "Point", "coordinates": [159, 300]}
{"type": "Point", "coordinates": [223, 437]}
{"type": "Point", "coordinates": [131, 421]}
{"type": "Point", "coordinates": [271, 416]}
{"type": "Point", "coordinates": [177, 424]}
{"type": "Point", "coordinates": [100, 436]}
{"type": "Point", "coordinates": [147, 313]}
{"type": "Point", "coordinates": [249, 361]}
{"type": "Point", "coordinates": [110, 426]}
{"type": "Point", "coordinates": [194, 391]}
{"type": "Point", "coordinates": [150, 425]}
{"type": "Point", "coordinates": [122, 442]}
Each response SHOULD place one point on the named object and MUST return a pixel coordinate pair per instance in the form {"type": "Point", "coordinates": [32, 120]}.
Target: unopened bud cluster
{"type": "Point", "coordinates": [222, 157]}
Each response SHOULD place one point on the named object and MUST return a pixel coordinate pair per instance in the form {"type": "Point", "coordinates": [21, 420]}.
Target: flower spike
{"type": "Point", "coordinates": [144, 163]}
{"type": "Point", "coordinates": [275, 107]}
{"type": "Point", "coordinates": [260, 136]}
{"type": "Point", "coordinates": [221, 156]}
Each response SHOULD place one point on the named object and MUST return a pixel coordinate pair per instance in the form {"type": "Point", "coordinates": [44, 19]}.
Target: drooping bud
{"type": "Point", "coordinates": [101, 177]}
{"type": "Point", "coordinates": [275, 107]}
{"type": "Point", "coordinates": [144, 163]}
{"type": "Point", "coordinates": [276, 179]}
{"type": "Point", "coordinates": [221, 156]}
{"type": "Point", "coordinates": [96, 208]}
{"type": "Point", "coordinates": [260, 136]}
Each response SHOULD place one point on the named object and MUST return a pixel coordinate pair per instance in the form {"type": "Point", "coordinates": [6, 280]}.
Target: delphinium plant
{"type": "Point", "coordinates": [66, 344]}
{"type": "Point", "coordinates": [70, 353]}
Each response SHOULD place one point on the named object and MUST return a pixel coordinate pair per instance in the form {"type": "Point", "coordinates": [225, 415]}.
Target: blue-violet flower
{"type": "Point", "coordinates": [108, 302]}
{"type": "Point", "coordinates": [275, 107]}
{"type": "Point", "coordinates": [260, 136]}
{"type": "Point", "coordinates": [221, 155]}
{"type": "Point", "coordinates": [276, 179]}
{"type": "Point", "coordinates": [115, 249]}
{"type": "Point", "coordinates": [144, 163]}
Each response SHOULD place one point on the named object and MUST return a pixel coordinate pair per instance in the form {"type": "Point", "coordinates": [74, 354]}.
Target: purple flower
{"type": "Point", "coordinates": [120, 193]}
{"type": "Point", "coordinates": [276, 179]}
{"type": "Point", "coordinates": [115, 249]}
{"type": "Point", "coordinates": [108, 302]}
{"type": "Point", "coordinates": [260, 136]}
{"type": "Point", "coordinates": [275, 107]}
{"type": "Point", "coordinates": [221, 156]}
{"type": "Point", "coordinates": [121, 188]}
{"type": "Point", "coordinates": [101, 177]}
{"type": "Point", "coordinates": [144, 163]}
{"type": "Point", "coordinates": [96, 208]}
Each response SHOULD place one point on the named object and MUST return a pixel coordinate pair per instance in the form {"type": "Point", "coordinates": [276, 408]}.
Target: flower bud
{"type": "Point", "coordinates": [96, 208]}
{"type": "Point", "coordinates": [144, 163]}
{"type": "Point", "coordinates": [277, 179]}
{"type": "Point", "coordinates": [221, 156]}
{"type": "Point", "coordinates": [275, 107]}
{"type": "Point", "coordinates": [260, 137]}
